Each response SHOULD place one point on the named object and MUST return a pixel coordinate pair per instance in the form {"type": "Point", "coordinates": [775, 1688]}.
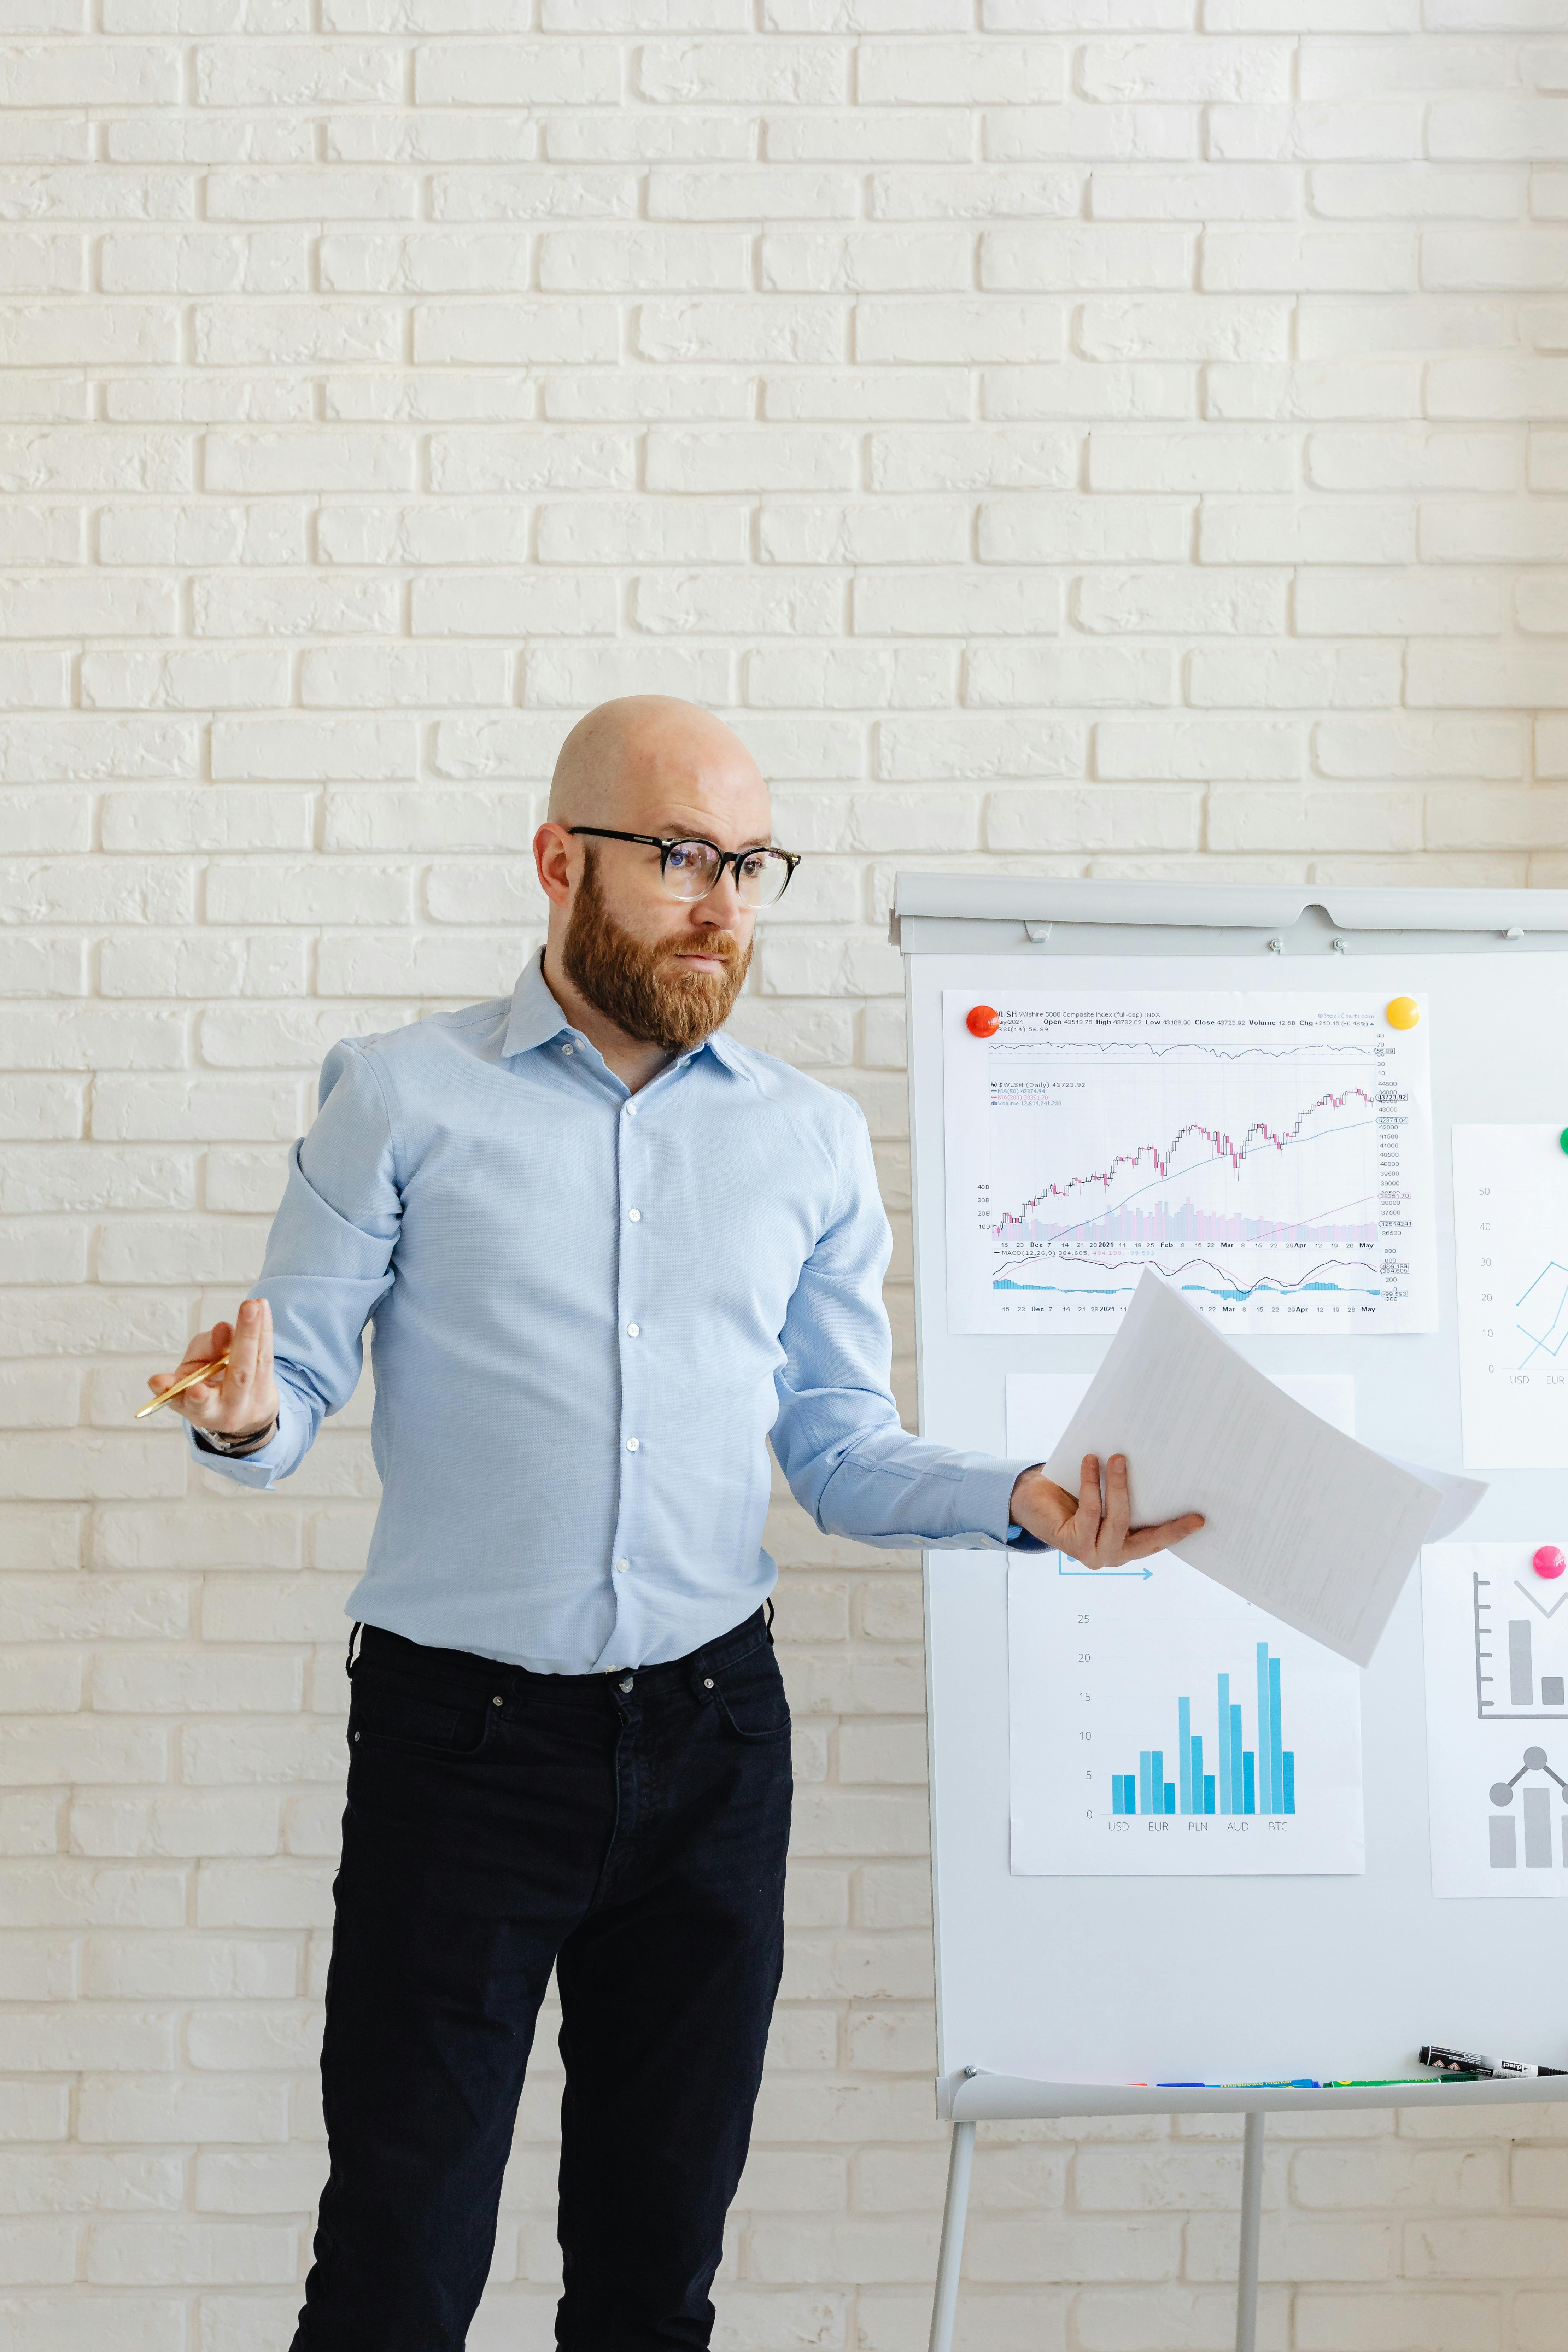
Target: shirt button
{"type": "Point", "coordinates": [634, 1330]}
{"type": "Point", "coordinates": [566, 1049]}
{"type": "Point", "coordinates": [622, 1566]}
{"type": "Point", "coordinates": [633, 1216]}
{"type": "Point", "coordinates": [631, 1110]}
{"type": "Point", "coordinates": [634, 1444]}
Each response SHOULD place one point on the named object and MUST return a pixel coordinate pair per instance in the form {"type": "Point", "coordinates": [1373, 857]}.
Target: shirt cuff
{"type": "Point", "coordinates": [256, 1469]}
{"type": "Point", "coordinates": [984, 1496]}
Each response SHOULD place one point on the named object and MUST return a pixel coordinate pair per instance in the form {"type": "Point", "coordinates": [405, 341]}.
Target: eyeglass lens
{"type": "Point", "coordinates": [692, 869]}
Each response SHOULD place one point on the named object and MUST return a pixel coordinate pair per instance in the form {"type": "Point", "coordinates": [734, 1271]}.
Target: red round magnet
{"type": "Point", "coordinates": [1548, 1561]}
{"type": "Point", "coordinates": [984, 1020]}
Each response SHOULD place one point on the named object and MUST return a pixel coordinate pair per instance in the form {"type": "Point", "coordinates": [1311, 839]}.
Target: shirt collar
{"type": "Point", "coordinates": [536, 1018]}
{"type": "Point", "coordinates": [536, 1015]}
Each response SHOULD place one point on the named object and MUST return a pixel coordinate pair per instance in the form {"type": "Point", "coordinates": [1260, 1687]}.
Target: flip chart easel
{"type": "Point", "coordinates": [1052, 1992]}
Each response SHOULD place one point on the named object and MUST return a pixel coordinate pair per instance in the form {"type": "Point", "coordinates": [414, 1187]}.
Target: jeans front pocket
{"type": "Point", "coordinates": [750, 1692]}
{"type": "Point", "coordinates": [387, 1711]}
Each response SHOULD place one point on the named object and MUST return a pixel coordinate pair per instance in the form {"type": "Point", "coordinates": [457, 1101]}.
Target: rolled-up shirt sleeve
{"type": "Point", "coordinates": [328, 1261]}
{"type": "Point", "coordinates": [837, 1437]}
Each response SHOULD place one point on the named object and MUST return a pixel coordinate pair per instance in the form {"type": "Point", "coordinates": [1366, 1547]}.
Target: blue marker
{"type": "Point", "coordinates": [1286, 2083]}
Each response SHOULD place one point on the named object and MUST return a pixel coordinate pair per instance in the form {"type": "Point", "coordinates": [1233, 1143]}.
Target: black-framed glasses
{"type": "Point", "coordinates": [690, 869]}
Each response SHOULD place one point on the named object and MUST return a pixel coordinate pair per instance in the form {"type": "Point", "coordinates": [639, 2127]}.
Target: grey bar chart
{"type": "Point", "coordinates": [1520, 1643]}
{"type": "Point", "coordinates": [1533, 1815]}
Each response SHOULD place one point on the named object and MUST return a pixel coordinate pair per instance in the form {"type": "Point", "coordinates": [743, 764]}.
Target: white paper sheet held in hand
{"type": "Point", "coordinates": [1311, 1525]}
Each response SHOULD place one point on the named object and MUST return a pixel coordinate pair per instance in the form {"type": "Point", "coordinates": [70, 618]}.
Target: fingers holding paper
{"type": "Point", "coordinates": [1096, 1531]}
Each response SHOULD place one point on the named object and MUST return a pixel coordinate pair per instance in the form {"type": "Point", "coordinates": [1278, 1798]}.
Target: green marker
{"type": "Point", "coordinates": [1396, 2082]}
{"type": "Point", "coordinates": [1562, 1139]}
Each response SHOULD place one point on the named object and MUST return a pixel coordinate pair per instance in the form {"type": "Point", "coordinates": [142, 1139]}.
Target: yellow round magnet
{"type": "Point", "coordinates": [1404, 1013]}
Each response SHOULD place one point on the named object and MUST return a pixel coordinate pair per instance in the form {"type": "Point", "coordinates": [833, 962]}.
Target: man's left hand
{"type": "Point", "coordinates": [1100, 1536]}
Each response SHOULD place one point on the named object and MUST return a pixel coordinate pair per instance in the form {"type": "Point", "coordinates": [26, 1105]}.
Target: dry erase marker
{"type": "Point", "coordinates": [1284, 2082]}
{"type": "Point", "coordinates": [1279, 2082]}
{"type": "Point", "coordinates": [1397, 2082]}
{"type": "Point", "coordinates": [1466, 2062]}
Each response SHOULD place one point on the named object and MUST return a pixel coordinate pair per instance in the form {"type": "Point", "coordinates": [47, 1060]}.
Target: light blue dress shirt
{"type": "Point", "coordinates": [592, 1310]}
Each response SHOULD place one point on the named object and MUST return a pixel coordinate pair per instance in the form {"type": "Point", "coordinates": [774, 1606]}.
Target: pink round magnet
{"type": "Point", "coordinates": [1548, 1561]}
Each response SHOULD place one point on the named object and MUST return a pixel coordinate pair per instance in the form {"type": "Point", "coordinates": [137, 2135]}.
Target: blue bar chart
{"type": "Point", "coordinates": [1250, 1780]}
{"type": "Point", "coordinates": [1160, 1725]}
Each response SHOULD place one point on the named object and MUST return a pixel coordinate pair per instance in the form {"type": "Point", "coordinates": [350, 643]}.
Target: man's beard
{"type": "Point", "coordinates": [640, 986]}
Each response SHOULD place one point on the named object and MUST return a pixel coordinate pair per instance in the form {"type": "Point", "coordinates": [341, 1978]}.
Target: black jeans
{"type": "Point", "coordinates": [500, 1823]}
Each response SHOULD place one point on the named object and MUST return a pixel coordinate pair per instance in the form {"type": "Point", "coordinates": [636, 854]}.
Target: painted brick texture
{"type": "Point", "coordinates": [1124, 437]}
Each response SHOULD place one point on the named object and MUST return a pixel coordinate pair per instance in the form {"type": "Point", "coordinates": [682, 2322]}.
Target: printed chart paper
{"type": "Point", "coordinates": [1510, 1257]}
{"type": "Point", "coordinates": [1496, 1722]}
{"type": "Point", "coordinates": [1159, 1727]}
{"type": "Point", "coordinates": [1270, 1155]}
{"type": "Point", "coordinates": [1298, 1517]}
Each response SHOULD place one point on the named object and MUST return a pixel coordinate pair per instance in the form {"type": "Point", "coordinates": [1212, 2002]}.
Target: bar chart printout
{"type": "Point", "coordinates": [1162, 1727]}
{"type": "Point", "coordinates": [1495, 1640]}
{"type": "Point", "coordinates": [1267, 1154]}
{"type": "Point", "coordinates": [1520, 1643]}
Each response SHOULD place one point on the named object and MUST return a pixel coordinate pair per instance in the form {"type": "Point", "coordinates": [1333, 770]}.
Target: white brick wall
{"type": "Point", "coordinates": [1062, 433]}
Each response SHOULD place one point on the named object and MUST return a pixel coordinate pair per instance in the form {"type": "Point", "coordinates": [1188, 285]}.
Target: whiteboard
{"type": "Point", "coordinates": [1116, 1981]}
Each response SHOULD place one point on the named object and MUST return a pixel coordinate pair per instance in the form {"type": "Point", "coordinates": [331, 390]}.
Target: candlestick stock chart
{"type": "Point", "coordinates": [1267, 1155]}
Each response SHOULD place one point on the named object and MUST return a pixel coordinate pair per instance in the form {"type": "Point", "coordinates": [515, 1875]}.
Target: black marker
{"type": "Point", "coordinates": [1466, 2062]}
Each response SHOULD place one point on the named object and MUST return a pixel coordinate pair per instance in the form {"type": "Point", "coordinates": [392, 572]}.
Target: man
{"type": "Point", "coordinates": [609, 1252]}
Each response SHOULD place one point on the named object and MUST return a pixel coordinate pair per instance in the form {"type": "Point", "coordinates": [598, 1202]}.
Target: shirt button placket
{"type": "Point", "coordinates": [630, 1288]}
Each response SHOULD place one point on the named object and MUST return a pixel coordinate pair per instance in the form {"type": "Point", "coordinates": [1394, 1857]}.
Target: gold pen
{"type": "Point", "coordinates": [189, 1381]}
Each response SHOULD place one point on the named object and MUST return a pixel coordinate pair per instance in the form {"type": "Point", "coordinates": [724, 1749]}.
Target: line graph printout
{"type": "Point", "coordinates": [1162, 1727]}
{"type": "Point", "coordinates": [1510, 1258]}
{"type": "Point", "coordinates": [1270, 1155]}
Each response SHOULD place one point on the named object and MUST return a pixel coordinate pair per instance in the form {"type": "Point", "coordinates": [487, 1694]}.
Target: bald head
{"type": "Point", "coordinates": [646, 760]}
{"type": "Point", "coordinates": [640, 969]}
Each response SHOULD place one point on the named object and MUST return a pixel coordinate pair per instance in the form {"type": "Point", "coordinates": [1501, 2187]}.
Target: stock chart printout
{"type": "Point", "coordinates": [1496, 1634]}
{"type": "Point", "coordinates": [1159, 1727]}
{"type": "Point", "coordinates": [1270, 1155]}
{"type": "Point", "coordinates": [1510, 1257]}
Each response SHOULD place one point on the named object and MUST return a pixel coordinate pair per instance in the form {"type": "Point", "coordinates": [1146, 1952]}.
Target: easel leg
{"type": "Point", "coordinates": [1251, 2228]}
{"type": "Point", "coordinates": [960, 2163]}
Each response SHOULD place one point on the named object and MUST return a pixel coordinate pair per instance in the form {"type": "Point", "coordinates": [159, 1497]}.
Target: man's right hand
{"type": "Point", "coordinates": [242, 1400]}
{"type": "Point", "coordinates": [1100, 1536]}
